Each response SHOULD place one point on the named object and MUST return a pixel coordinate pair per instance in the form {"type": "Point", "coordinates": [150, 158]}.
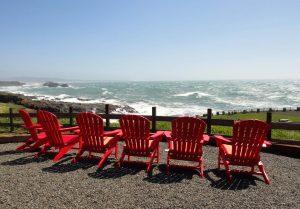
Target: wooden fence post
{"type": "Point", "coordinates": [153, 119]}
{"type": "Point", "coordinates": [269, 121]}
{"type": "Point", "coordinates": [107, 122]}
{"type": "Point", "coordinates": [208, 121]}
{"type": "Point", "coordinates": [11, 119]}
{"type": "Point", "coordinates": [71, 116]}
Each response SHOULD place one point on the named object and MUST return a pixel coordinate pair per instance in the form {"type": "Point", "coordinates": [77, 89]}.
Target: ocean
{"type": "Point", "coordinates": [173, 97]}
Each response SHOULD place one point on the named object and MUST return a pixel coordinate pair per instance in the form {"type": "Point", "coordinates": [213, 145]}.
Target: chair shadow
{"type": "Point", "coordinates": [240, 181]}
{"type": "Point", "coordinates": [115, 172]}
{"type": "Point", "coordinates": [65, 165]}
{"type": "Point", "coordinates": [11, 152]}
{"type": "Point", "coordinates": [176, 175]}
{"type": "Point", "coordinates": [27, 160]}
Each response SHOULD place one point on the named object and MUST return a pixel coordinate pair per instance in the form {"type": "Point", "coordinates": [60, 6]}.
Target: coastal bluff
{"type": "Point", "coordinates": [60, 107]}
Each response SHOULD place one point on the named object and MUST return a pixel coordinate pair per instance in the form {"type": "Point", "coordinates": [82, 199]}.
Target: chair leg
{"type": "Point", "coordinates": [39, 143]}
{"type": "Point", "coordinates": [116, 151]}
{"type": "Point", "coordinates": [42, 151]}
{"type": "Point", "coordinates": [168, 165]}
{"type": "Point", "coordinates": [105, 156]}
{"type": "Point", "coordinates": [157, 152]}
{"type": "Point", "coordinates": [26, 144]}
{"type": "Point", "coordinates": [219, 161]}
{"type": "Point", "coordinates": [78, 155]}
{"type": "Point", "coordinates": [201, 167]}
{"type": "Point", "coordinates": [263, 171]}
{"type": "Point", "coordinates": [90, 155]}
{"type": "Point", "coordinates": [121, 159]}
{"type": "Point", "coordinates": [228, 173]}
{"type": "Point", "coordinates": [62, 152]}
{"type": "Point", "coordinates": [149, 167]}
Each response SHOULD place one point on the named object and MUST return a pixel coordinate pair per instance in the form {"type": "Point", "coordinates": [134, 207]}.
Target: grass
{"type": "Point", "coordinates": [4, 107]}
{"type": "Point", "coordinates": [293, 116]}
{"type": "Point", "coordinates": [223, 130]}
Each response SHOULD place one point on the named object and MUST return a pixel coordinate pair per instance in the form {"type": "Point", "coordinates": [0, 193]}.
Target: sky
{"type": "Point", "coordinates": [150, 40]}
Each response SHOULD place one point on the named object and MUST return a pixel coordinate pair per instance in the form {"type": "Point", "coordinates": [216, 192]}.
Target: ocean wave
{"type": "Point", "coordinates": [198, 94]}
{"type": "Point", "coordinates": [12, 89]}
{"type": "Point", "coordinates": [33, 85]}
{"type": "Point", "coordinates": [295, 98]}
{"type": "Point", "coordinates": [242, 103]}
{"type": "Point", "coordinates": [144, 108]}
{"type": "Point", "coordinates": [75, 87]}
{"type": "Point", "coordinates": [220, 96]}
{"type": "Point", "coordinates": [106, 93]}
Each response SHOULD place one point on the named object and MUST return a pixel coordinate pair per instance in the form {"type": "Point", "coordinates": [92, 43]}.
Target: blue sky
{"type": "Point", "coordinates": [150, 40]}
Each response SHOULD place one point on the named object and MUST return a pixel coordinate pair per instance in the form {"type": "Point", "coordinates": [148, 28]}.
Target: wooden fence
{"type": "Point", "coordinates": [258, 110]}
{"type": "Point", "coordinates": [154, 119]}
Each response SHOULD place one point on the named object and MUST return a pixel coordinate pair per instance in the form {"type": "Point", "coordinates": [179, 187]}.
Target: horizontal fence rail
{"type": "Point", "coordinates": [291, 126]}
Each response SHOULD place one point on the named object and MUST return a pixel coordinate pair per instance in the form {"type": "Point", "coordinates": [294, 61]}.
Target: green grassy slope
{"type": "Point", "coordinates": [293, 116]}
{"type": "Point", "coordinates": [277, 134]}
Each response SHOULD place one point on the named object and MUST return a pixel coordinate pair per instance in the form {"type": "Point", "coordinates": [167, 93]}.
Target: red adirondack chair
{"type": "Point", "coordinates": [37, 138]}
{"type": "Point", "coordinates": [54, 134]}
{"type": "Point", "coordinates": [243, 148]}
{"type": "Point", "coordinates": [185, 142]}
{"type": "Point", "coordinates": [138, 140]}
{"type": "Point", "coordinates": [93, 138]}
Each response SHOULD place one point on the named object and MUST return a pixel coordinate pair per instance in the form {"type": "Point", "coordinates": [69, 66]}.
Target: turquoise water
{"type": "Point", "coordinates": [174, 98]}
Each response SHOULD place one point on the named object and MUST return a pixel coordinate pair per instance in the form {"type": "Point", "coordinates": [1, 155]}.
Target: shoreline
{"type": "Point", "coordinates": [32, 102]}
{"type": "Point", "coordinates": [135, 99]}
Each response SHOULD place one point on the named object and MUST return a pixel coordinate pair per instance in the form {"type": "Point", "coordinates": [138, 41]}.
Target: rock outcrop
{"type": "Point", "coordinates": [60, 107]}
{"type": "Point", "coordinates": [53, 84]}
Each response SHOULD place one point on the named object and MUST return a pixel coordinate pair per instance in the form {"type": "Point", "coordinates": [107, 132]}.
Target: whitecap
{"type": "Point", "coordinates": [199, 94]}
{"type": "Point", "coordinates": [144, 108]}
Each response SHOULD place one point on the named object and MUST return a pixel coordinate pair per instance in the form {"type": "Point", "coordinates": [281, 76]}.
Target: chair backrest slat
{"type": "Point", "coordinates": [91, 130]}
{"type": "Point", "coordinates": [248, 138]}
{"type": "Point", "coordinates": [136, 132]}
{"type": "Point", "coordinates": [51, 126]}
{"type": "Point", "coordinates": [28, 123]}
{"type": "Point", "coordinates": [187, 133]}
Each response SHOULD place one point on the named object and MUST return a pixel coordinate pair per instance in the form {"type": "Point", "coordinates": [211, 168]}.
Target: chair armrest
{"type": "Point", "coordinates": [120, 134]}
{"type": "Point", "coordinates": [77, 131]}
{"type": "Point", "coordinates": [206, 138]}
{"type": "Point", "coordinates": [112, 133]}
{"type": "Point", "coordinates": [157, 136]}
{"type": "Point", "coordinates": [168, 134]}
{"type": "Point", "coordinates": [267, 143]}
{"type": "Point", "coordinates": [40, 129]}
{"type": "Point", "coordinates": [69, 129]}
{"type": "Point", "coordinates": [222, 140]}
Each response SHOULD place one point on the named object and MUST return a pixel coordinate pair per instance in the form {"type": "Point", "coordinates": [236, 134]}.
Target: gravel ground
{"type": "Point", "coordinates": [26, 182]}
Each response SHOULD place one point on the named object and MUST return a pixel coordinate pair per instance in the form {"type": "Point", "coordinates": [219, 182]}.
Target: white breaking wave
{"type": "Point", "coordinates": [195, 93]}
{"type": "Point", "coordinates": [172, 98]}
{"type": "Point", "coordinates": [106, 92]}
{"type": "Point", "coordinates": [144, 108]}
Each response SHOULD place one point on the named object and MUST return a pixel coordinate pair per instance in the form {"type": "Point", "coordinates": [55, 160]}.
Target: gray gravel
{"type": "Point", "coordinates": [34, 183]}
